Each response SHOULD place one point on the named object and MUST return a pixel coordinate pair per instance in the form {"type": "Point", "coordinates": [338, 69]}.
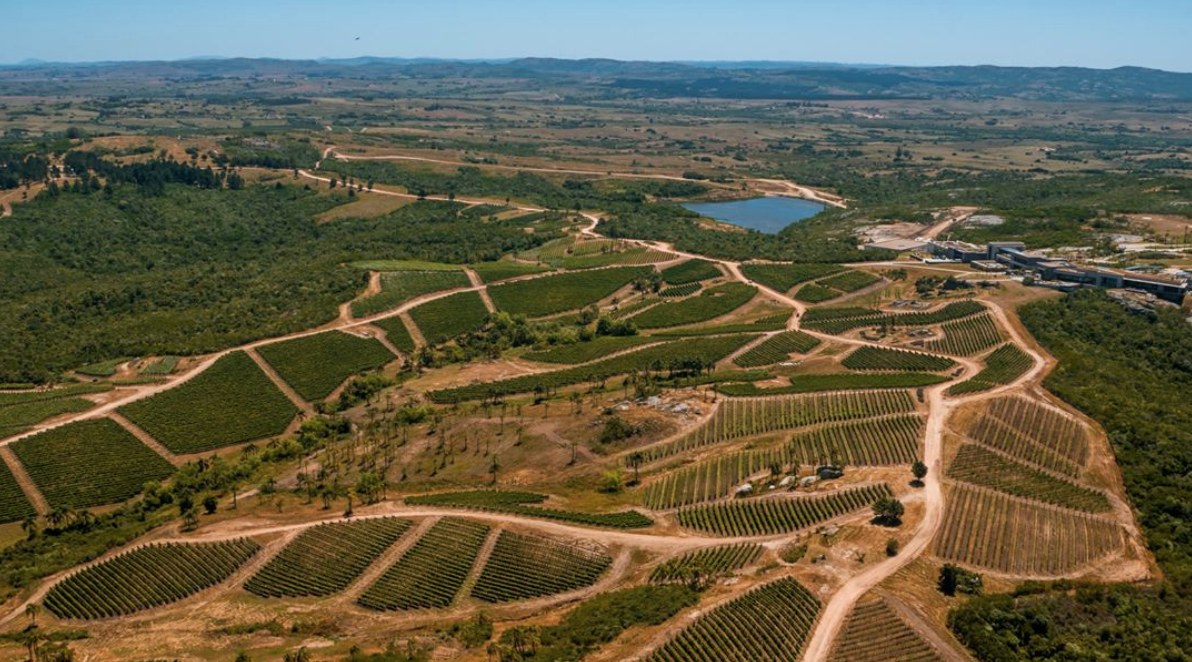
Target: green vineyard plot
{"type": "Point", "coordinates": [1002, 366]}
{"type": "Point", "coordinates": [432, 571]}
{"type": "Point", "coordinates": [881, 358]}
{"type": "Point", "coordinates": [837, 321]}
{"type": "Point", "coordinates": [967, 337]}
{"type": "Point", "coordinates": [977, 465]}
{"type": "Point", "coordinates": [316, 365]}
{"type": "Point", "coordinates": [711, 303]}
{"type": "Point", "coordinates": [711, 562]}
{"type": "Point", "coordinates": [562, 292]}
{"type": "Point", "coordinates": [582, 352]}
{"type": "Point", "coordinates": [398, 287]}
{"type": "Point", "coordinates": [771, 622]}
{"type": "Point", "coordinates": [523, 503]}
{"type": "Point", "coordinates": [324, 559]}
{"type": "Point", "coordinates": [14, 506]}
{"type": "Point", "coordinates": [691, 271]}
{"type": "Point", "coordinates": [147, 577]}
{"type": "Point", "coordinates": [492, 272]}
{"type": "Point", "coordinates": [443, 319]}
{"type": "Point", "coordinates": [229, 403]}
{"type": "Point", "coordinates": [783, 277]}
{"type": "Point", "coordinates": [875, 633]}
{"type": "Point", "coordinates": [777, 348]}
{"type": "Point", "coordinates": [397, 333]}
{"type": "Point", "coordinates": [89, 463]}
{"type": "Point", "coordinates": [837, 382]}
{"type": "Point", "coordinates": [770, 516]}
{"type": "Point", "coordinates": [530, 566]}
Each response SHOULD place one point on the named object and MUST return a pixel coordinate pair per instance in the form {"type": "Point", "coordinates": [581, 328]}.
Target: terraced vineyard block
{"type": "Point", "coordinates": [89, 463]}
{"type": "Point", "coordinates": [710, 304]}
{"type": "Point", "coordinates": [14, 507]}
{"type": "Point", "coordinates": [691, 271]}
{"type": "Point", "coordinates": [147, 577]}
{"type": "Point", "coordinates": [229, 403]}
{"type": "Point", "coordinates": [878, 358]}
{"type": "Point", "coordinates": [530, 566]}
{"type": "Point", "coordinates": [711, 562]}
{"type": "Point", "coordinates": [324, 559]}
{"type": "Point", "coordinates": [968, 336]}
{"type": "Point", "coordinates": [875, 633]}
{"type": "Point", "coordinates": [398, 287]}
{"type": "Point", "coordinates": [562, 292]}
{"type": "Point", "coordinates": [316, 365]}
{"type": "Point", "coordinates": [1004, 365]}
{"type": "Point", "coordinates": [783, 277]}
{"type": "Point", "coordinates": [777, 348]}
{"type": "Point", "coordinates": [443, 319]}
{"type": "Point", "coordinates": [431, 572]}
{"type": "Point", "coordinates": [977, 465]}
{"type": "Point", "coordinates": [769, 516]}
{"type": "Point", "coordinates": [771, 622]}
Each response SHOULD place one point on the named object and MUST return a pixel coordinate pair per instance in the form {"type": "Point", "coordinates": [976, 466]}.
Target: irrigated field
{"type": "Point", "coordinates": [326, 558]}
{"type": "Point", "coordinates": [530, 566]}
{"type": "Point", "coordinates": [987, 529]}
{"type": "Point", "coordinates": [316, 365]}
{"type": "Point", "coordinates": [562, 292]}
{"type": "Point", "coordinates": [431, 572]}
{"type": "Point", "coordinates": [229, 403]}
{"type": "Point", "coordinates": [769, 516]}
{"type": "Point", "coordinates": [147, 577]}
{"type": "Point", "coordinates": [89, 463]}
{"type": "Point", "coordinates": [443, 319]}
{"type": "Point", "coordinates": [771, 623]}
{"type": "Point", "coordinates": [398, 287]}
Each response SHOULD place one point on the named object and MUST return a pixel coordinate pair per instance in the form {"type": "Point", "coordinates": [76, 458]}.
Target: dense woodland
{"type": "Point", "coordinates": [1132, 373]}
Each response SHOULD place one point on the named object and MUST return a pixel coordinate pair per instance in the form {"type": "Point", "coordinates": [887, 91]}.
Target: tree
{"type": "Point", "coordinates": [888, 511]}
{"type": "Point", "coordinates": [493, 468]}
{"type": "Point", "coordinates": [635, 460]}
{"type": "Point", "coordinates": [210, 504]}
{"type": "Point", "coordinates": [919, 469]}
{"type": "Point", "coordinates": [32, 610]}
{"type": "Point", "coordinates": [611, 481]}
{"type": "Point", "coordinates": [892, 547]}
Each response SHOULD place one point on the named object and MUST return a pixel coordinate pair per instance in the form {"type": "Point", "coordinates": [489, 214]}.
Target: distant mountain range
{"type": "Point", "coordinates": [733, 80]}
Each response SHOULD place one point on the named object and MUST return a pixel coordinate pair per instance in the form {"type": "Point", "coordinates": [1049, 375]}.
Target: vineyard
{"type": "Point", "coordinates": [738, 418]}
{"type": "Point", "coordinates": [771, 622]}
{"type": "Point", "coordinates": [777, 348]}
{"type": "Point", "coordinates": [316, 365]}
{"type": "Point", "coordinates": [838, 321]}
{"type": "Point", "coordinates": [530, 566]}
{"type": "Point", "coordinates": [432, 571]}
{"type": "Point", "coordinates": [783, 277]}
{"type": "Point", "coordinates": [836, 382]}
{"type": "Point", "coordinates": [815, 293]}
{"type": "Point", "coordinates": [671, 357]}
{"type": "Point", "coordinates": [680, 291]}
{"type": "Point", "coordinates": [20, 411]}
{"type": "Point", "coordinates": [881, 358]}
{"type": "Point", "coordinates": [875, 633]}
{"type": "Point", "coordinates": [324, 559]}
{"type": "Point", "coordinates": [691, 271]}
{"type": "Point", "coordinates": [967, 337]}
{"type": "Point", "coordinates": [552, 294]}
{"type": "Point", "coordinates": [850, 281]}
{"type": "Point", "coordinates": [1002, 366]}
{"type": "Point", "coordinates": [627, 256]}
{"type": "Point", "coordinates": [885, 440]}
{"type": "Point", "coordinates": [14, 507]}
{"type": "Point", "coordinates": [443, 319]}
{"type": "Point", "coordinates": [147, 577]}
{"type": "Point", "coordinates": [230, 402]}
{"type": "Point", "coordinates": [977, 465]}
{"type": "Point", "coordinates": [710, 562]}
{"type": "Point", "coordinates": [771, 516]}
{"type": "Point", "coordinates": [521, 503]}
{"type": "Point", "coordinates": [398, 287]}
{"type": "Point", "coordinates": [397, 333]}
{"type": "Point", "coordinates": [492, 272]}
{"type": "Point", "coordinates": [987, 529]}
{"type": "Point", "coordinates": [163, 366]}
{"type": "Point", "coordinates": [708, 480]}
{"type": "Point", "coordinates": [89, 463]}
{"type": "Point", "coordinates": [1060, 447]}
{"type": "Point", "coordinates": [710, 304]}
{"type": "Point", "coordinates": [582, 352]}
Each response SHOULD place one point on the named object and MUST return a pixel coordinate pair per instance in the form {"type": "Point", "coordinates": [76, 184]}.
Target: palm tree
{"type": "Point", "coordinates": [635, 461]}
{"type": "Point", "coordinates": [32, 610]}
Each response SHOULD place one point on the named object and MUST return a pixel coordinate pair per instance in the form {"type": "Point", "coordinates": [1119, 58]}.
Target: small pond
{"type": "Point", "coordinates": [769, 214]}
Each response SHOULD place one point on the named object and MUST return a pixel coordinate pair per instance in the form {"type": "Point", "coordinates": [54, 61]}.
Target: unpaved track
{"type": "Point", "coordinates": [147, 439]}
{"type": "Point", "coordinates": [21, 475]}
{"type": "Point", "coordinates": [281, 384]}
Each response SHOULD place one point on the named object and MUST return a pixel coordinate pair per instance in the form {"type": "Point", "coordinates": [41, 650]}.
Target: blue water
{"type": "Point", "coordinates": [769, 214]}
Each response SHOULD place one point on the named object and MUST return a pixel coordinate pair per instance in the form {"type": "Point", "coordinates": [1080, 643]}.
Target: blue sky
{"type": "Point", "coordinates": [1092, 33]}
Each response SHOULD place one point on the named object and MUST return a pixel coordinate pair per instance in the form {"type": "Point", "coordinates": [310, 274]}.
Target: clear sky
{"type": "Point", "coordinates": [1091, 33]}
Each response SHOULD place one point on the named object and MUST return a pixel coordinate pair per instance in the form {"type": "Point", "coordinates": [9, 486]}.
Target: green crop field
{"type": "Point", "coordinates": [1002, 366]}
{"type": "Point", "coordinates": [492, 272]}
{"type": "Point", "coordinates": [523, 503]}
{"type": "Point", "coordinates": [881, 358]}
{"type": "Point", "coordinates": [691, 271]}
{"type": "Point", "coordinates": [582, 352]}
{"type": "Point", "coordinates": [15, 419]}
{"type": "Point", "coordinates": [147, 577]}
{"type": "Point", "coordinates": [316, 365]}
{"type": "Point", "coordinates": [530, 566]}
{"type": "Point", "coordinates": [771, 622]}
{"type": "Point", "coordinates": [979, 466]}
{"type": "Point", "coordinates": [830, 320]}
{"type": "Point", "coordinates": [710, 304]}
{"type": "Point", "coordinates": [815, 293]}
{"type": "Point", "coordinates": [562, 292]}
{"type": "Point", "coordinates": [850, 281]}
{"type": "Point", "coordinates": [661, 358]}
{"type": "Point", "coordinates": [162, 366]}
{"type": "Point", "coordinates": [679, 291]}
{"type": "Point", "coordinates": [756, 517]}
{"type": "Point", "coordinates": [14, 506]}
{"type": "Point", "coordinates": [837, 382]}
{"type": "Point", "coordinates": [883, 440]}
{"type": "Point", "coordinates": [783, 277]}
{"type": "Point", "coordinates": [397, 333]}
{"type": "Point", "coordinates": [777, 348]}
{"type": "Point", "coordinates": [89, 463]}
{"type": "Point", "coordinates": [324, 559]}
{"type": "Point", "coordinates": [398, 287]}
{"type": "Point", "coordinates": [710, 562]}
{"type": "Point", "coordinates": [102, 368]}
{"type": "Point", "coordinates": [967, 336]}
{"type": "Point", "coordinates": [443, 319]}
{"type": "Point", "coordinates": [431, 572]}
{"type": "Point", "coordinates": [229, 403]}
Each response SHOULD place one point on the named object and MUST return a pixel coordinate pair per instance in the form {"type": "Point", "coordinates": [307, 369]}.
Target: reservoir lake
{"type": "Point", "coordinates": [769, 214]}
